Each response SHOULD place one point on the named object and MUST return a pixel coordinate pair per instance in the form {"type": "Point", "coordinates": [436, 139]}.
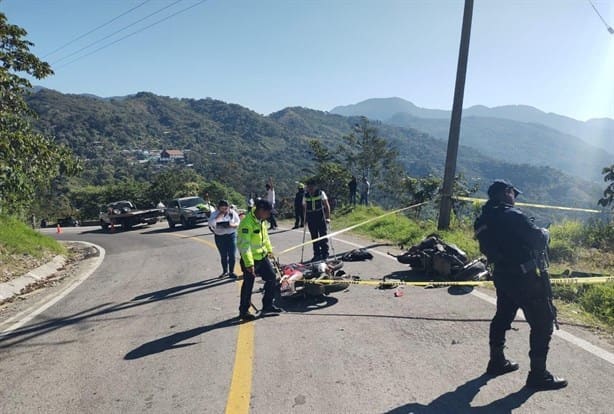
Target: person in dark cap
{"type": "Point", "coordinates": [508, 237]}
{"type": "Point", "coordinates": [317, 216]}
{"type": "Point", "coordinates": [255, 249]}
{"type": "Point", "coordinates": [299, 211]}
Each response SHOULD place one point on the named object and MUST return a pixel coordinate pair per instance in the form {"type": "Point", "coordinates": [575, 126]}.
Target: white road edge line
{"type": "Point", "coordinates": [31, 314]}
{"type": "Point", "coordinates": [567, 336]}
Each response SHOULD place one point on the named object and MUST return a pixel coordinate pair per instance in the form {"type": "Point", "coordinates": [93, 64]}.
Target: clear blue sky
{"type": "Point", "coordinates": [268, 54]}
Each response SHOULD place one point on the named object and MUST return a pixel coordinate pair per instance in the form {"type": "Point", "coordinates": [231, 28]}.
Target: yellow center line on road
{"type": "Point", "coordinates": [241, 384]}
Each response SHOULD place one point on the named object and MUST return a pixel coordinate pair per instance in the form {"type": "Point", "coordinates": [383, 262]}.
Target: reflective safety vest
{"type": "Point", "coordinates": [313, 202]}
{"type": "Point", "coordinates": [253, 239]}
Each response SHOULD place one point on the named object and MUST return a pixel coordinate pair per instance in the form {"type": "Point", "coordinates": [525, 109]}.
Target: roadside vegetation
{"type": "Point", "coordinates": [576, 249]}
{"type": "Point", "coordinates": [22, 249]}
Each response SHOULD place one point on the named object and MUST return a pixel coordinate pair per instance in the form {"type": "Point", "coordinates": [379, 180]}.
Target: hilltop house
{"type": "Point", "coordinates": [172, 156]}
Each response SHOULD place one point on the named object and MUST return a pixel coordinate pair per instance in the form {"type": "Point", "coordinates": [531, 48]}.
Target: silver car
{"type": "Point", "coordinates": [187, 211]}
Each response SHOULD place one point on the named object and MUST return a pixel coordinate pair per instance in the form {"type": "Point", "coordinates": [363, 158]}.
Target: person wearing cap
{"type": "Point", "coordinates": [299, 219]}
{"type": "Point", "coordinates": [223, 222]}
{"type": "Point", "coordinates": [255, 249]}
{"type": "Point", "coordinates": [317, 215]}
{"type": "Point", "coordinates": [508, 237]}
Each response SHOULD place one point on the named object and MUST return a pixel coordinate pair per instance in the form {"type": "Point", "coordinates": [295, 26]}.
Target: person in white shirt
{"type": "Point", "coordinates": [365, 189]}
{"type": "Point", "coordinates": [270, 197]}
{"type": "Point", "coordinates": [223, 223]}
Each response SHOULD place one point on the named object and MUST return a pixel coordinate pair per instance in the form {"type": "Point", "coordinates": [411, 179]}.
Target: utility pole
{"type": "Point", "coordinates": [445, 207]}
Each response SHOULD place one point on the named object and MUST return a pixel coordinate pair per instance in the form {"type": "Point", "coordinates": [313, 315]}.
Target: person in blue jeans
{"type": "Point", "coordinates": [223, 223]}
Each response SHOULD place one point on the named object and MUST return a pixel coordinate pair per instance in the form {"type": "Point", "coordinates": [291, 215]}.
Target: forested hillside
{"type": "Point", "coordinates": [241, 148]}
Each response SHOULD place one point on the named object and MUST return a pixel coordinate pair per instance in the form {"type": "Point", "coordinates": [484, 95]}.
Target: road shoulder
{"type": "Point", "coordinates": [46, 285]}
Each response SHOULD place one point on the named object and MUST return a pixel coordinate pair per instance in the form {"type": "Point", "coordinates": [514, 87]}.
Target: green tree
{"type": "Point", "coordinates": [218, 191]}
{"type": "Point", "coordinates": [169, 183]}
{"type": "Point", "coordinates": [332, 176]}
{"type": "Point", "coordinates": [608, 193]}
{"type": "Point", "coordinates": [367, 153]}
{"type": "Point", "coordinates": [462, 188]}
{"type": "Point", "coordinates": [418, 190]}
{"type": "Point", "coordinates": [27, 160]}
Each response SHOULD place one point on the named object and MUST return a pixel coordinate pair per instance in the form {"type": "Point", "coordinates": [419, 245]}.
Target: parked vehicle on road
{"type": "Point", "coordinates": [187, 211]}
{"type": "Point", "coordinates": [125, 214]}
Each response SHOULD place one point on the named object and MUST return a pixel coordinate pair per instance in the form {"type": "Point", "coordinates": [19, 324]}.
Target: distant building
{"type": "Point", "coordinates": [172, 156]}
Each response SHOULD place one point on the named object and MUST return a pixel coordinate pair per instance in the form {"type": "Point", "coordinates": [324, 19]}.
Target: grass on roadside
{"type": "Point", "coordinates": [402, 230]}
{"type": "Point", "coordinates": [574, 245]}
{"type": "Point", "coordinates": [16, 238]}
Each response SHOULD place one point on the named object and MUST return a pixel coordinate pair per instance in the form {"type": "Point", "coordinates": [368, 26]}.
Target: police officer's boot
{"type": "Point", "coordinates": [498, 365]}
{"type": "Point", "coordinates": [539, 378]}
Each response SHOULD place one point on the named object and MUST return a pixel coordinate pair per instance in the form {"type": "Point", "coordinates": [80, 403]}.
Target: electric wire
{"type": "Point", "coordinates": [94, 29]}
{"type": "Point", "coordinates": [133, 33]}
{"type": "Point", "coordinates": [607, 26]}
{"type": "Point", "coordinates": [115, 32]}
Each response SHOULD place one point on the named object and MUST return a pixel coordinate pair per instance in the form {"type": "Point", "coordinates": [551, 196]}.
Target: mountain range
{"type": "Point", "coordinates": [515, 133]}
{"type": "Point", "coordinates": [241, 148]}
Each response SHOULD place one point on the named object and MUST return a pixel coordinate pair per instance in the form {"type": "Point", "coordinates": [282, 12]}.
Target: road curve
{"type": "Point", "coordinates": [154, 330]}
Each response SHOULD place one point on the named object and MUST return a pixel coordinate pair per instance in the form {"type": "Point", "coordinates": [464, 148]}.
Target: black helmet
{"type": "Point", "coordinates": [263, 205]}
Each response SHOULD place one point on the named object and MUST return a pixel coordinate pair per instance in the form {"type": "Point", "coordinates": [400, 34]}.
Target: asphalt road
{"type": "Point", "coordinates": [153, 330]}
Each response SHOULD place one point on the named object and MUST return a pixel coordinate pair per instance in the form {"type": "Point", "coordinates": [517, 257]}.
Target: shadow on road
{"type": "Point", "coordinates": [279, 231]}
{"type": "Point", "coordinates": [418, 318]}
{"type": "Point", "coordinates": [172, 341]}
{"type": "Point", "coordinates": [189, 288]}
{"type": "Point", "coordinates": [459, 401]}
{"type": "Point", "coordinates": [411, 275]}
{"type": "Point", "coordinates": [44, 327]}
{"type": "Point", "coordinates": [460, 290]}
{"type": "Point", "coordinates": [166, 230]}
{"type": "Point", "coordinates": [116, 230]}
{"type": "Point", "coordinates": [309, 304]}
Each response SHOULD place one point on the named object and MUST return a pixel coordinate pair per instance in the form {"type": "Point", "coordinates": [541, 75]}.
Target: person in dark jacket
{"type": "Point", "coordinates": [299, 212]}
{"type": "Point", "coordinates": [317, 217]}
{"type": "Point", "coordinates": [353, 187]}
{"type": "Point", "coordinates": [508, 238]}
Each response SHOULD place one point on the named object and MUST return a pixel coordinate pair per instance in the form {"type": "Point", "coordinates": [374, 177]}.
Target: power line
{"type": "Point", "coordinates": [607, 26]}
{"type": "Point", "coordinates": [116, 32]}
{"type": "Point", "coordinates": [94, 29]}
{"type": "Point", "coordinates": [133, 33]}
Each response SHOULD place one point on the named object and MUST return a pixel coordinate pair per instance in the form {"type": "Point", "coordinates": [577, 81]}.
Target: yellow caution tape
{"type": "Point", "coordinates": [331, 235]}
{"type": "Point", "coordinates": [584, 210]}
{"type": "Point", "coordinates": [557, 281]}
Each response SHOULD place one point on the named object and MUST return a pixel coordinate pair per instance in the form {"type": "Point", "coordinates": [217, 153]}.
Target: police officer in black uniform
{"type": "Point", "coordinates": [508, 238]}
{"type": "Point", "coordinates": [317, 215]}
{"type": "Point", "coordinates": [299, 212]}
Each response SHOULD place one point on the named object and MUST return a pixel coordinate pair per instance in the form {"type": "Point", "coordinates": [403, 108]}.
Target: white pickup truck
{"type": "Point", "coordinates": [187, 211]}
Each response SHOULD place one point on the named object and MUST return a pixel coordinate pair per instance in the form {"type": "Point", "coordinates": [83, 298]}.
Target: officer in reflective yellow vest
{"type": "Point", "coordinates": [317, 215]}
{"type": "Point", "coordinates": [255, 248]}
